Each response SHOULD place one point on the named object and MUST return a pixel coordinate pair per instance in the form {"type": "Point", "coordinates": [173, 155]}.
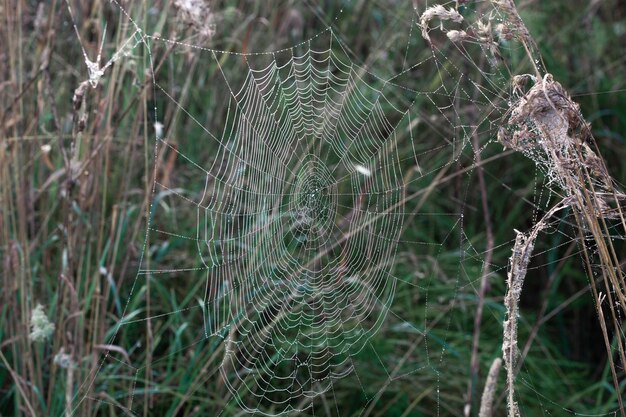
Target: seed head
{"type": "Point", "coordinates": [440, 13]}
{"type": "Point", "coordinates": [40, 326]}
{"type": "Point", "coordinates": [456, 35]}
{"type": "Point", "coordinates": [197, 14]}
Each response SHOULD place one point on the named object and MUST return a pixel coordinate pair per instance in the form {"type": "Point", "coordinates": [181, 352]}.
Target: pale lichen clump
{"type": "Point", "coordinates": [40, 325]}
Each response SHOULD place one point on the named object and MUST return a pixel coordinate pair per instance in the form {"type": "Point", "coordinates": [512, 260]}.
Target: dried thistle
{"type": "Point", "coordinates": [545, 124]}
{"type": "Point", "coordinates": [438, 12]}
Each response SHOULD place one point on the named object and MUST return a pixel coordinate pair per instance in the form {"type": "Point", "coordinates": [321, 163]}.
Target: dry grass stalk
{"type": "Point", "coordinates": [514, 20]}
{"type": "Point", "coordinates": [484, 280]}
{"type": "Point", "coordinates": [489, 392]}
{"type": "Point", "coordinates": [605, 334]}
{"type": "Point", "coordinates": [438, 12]}
{"type": "Point", "coordinates": [518, 267]}
{"type": "Point", "coordinates": [515, 27]}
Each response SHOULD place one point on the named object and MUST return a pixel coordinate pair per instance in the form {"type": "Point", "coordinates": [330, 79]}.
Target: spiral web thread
{"type": "Point", "coordinates": [304, 207]}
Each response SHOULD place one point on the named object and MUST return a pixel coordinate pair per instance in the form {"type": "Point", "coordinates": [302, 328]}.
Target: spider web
{"type": "Point", "coordinates": [304, 184]}
{"type": "Point", "coordinates": [299, 220]}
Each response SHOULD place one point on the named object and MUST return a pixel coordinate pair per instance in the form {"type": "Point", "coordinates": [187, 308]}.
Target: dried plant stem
{"type": "Point", "coordinates": [600, 297]}
{"type": "Point", "coordinates": [546, 125]}
{"type": "Point", "coordinates": [489, 392]}
{"type": "Point", "coordinates": [69, 391]}
{"type": "Point", "coordinates": [518, 267]}
{"type": "Point", "coordinates": [541, 316]}
{"type": "Point", "coordinates": [517, 272]}
{"type": "Point", "coordinates": [521, 32]}
{"type": "Point", "coordinates": [605, 334]}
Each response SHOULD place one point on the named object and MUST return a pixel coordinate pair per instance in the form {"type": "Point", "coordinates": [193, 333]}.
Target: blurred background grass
{"type": "Point", "coordinates": [77, 174]}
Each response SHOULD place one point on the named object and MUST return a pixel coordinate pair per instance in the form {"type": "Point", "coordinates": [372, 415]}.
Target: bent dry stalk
{"type": "Point", "coordinates": [518, 267]}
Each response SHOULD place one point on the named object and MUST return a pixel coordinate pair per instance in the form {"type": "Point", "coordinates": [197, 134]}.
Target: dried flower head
{"type": "Point", "coordinates": [484, 35]}
{"type": "Point", "coordinates": [198, 15]}
{"type": "Point", "coordinates": [456, 35]}
{"type": "Point", "coordinates": [504, 32]}
{"type": "Point", "coordinates": [438, 12]}
{"type": "Point", "coordinates": [79, 95]}
{"type": "Point", "coordinates": [519, 83]}
{"type": "Point", "coordinates": [40, 326]}
{"type": "Point", "coordinates": [515, 26]}
{"type": "Point", "coordinates": [483, 31]}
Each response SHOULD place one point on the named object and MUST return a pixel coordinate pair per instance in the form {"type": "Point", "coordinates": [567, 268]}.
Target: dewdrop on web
{"type": "Point", "coordinates": [158, 130]}
{"type": "Point", "coordinates": [363, 170]}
